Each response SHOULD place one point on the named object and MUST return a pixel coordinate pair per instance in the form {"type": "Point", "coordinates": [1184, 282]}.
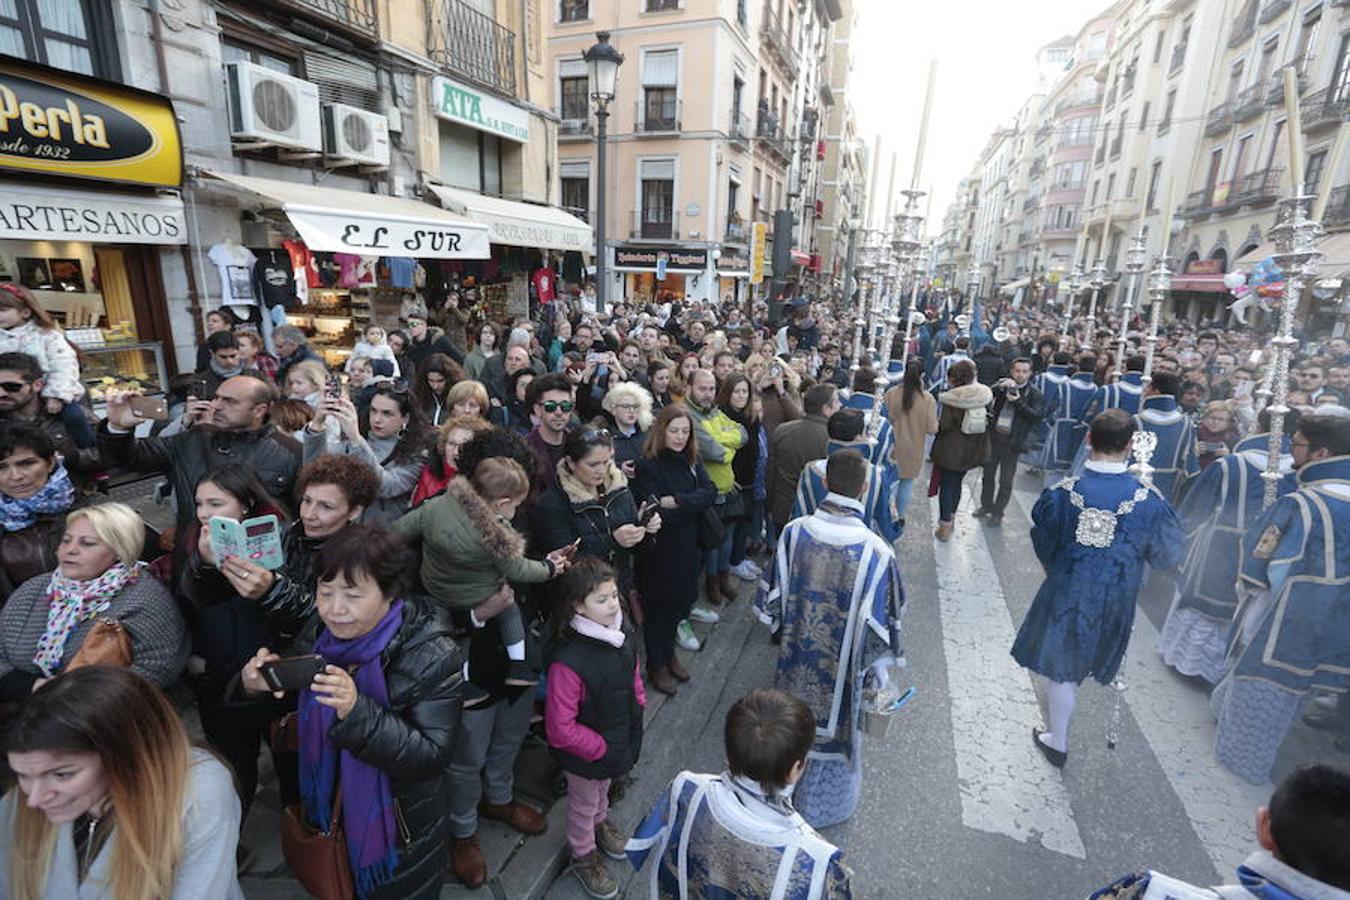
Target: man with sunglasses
{"type": "Point", "coordinates": [21, 384]}
{"type": "Point", "coordinates": [550, 397]}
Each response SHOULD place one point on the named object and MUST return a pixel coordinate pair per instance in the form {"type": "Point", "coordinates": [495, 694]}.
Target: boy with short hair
{"type": "Point", "coordinates": [743, 823]}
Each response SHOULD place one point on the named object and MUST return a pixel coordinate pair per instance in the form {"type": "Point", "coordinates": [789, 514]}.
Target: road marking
{"type": "Point", "coordinates": [1006, 786]}
{"type": "Point", "coordinates": [1177, 724]}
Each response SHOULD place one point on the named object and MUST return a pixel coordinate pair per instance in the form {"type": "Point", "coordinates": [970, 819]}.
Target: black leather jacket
{"type": "Point", "coordinates": [1028, 409]}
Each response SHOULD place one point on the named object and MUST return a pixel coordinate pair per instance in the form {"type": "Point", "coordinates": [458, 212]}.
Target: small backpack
{"type": "Point", "coordinates": [975, 421]}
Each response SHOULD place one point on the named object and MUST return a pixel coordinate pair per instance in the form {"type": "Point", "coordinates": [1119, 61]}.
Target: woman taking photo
{"type": "Point", "coordinates": [913, 415]}
{"type": "Point", "coordinates": [592, 504]}
{"type": "Point", "coordinates": [98, 580]}
{"type": "Point", "coordinates": [486, 347]}
{"type": "Point", "coordinates": [670, 471]}
{"type": "Point", "coordinates": [35, 495]}
{"type": "Point", "coordinates": [434, 379]}
{"type": "Point", "coordinates": [444, 463]}
{"type": "Point", "coordinates": [392, 437]}
{"type": "Point", "coordinates": [629, 407]}
{"type": "Point", "coordinates": [113, 802]}
{"type": "Point", "coordinates": [962, 441]}
{"type": "Point", "coordinates": [376, 742]}
{"type": "Point", "coordinates": [226, 629]}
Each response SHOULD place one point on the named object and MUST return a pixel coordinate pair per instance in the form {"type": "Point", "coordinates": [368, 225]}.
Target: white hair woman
{"type": "Point", "coordinates": [629, 405]}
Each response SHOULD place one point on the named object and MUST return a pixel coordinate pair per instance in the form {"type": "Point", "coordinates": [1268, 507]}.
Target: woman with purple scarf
{"type": "Point", "coordinates": [379, 722]}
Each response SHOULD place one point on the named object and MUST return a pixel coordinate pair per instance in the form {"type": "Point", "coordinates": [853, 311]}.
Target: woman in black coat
{"type": "Point", "coordinates": [670, 471]}
{"type": "Point", "coordinates": [390, 731]}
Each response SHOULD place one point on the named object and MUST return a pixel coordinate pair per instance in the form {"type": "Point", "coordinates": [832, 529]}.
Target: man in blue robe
{"type": "Point", "coordinates": [1065, 408]}
{"type": "Point", "coordinates": [835, 591]}
{"type": "Point", "coordinates": [737, 834]}
{"type": "Point", "coordinates": [1216, 512]}
{"type": "Point", "coordinates": [1174, 460]}
{"type": "Point", "coordinates": [846, 433]}
{"type": "Point", "coordinates": [863, 398]}
{"type": "Point", "coordinates": [1093, 535]}
{"type": "Point", "coordinates": [944, 365]}
{"type": "Point", "coordinates": [1126, 394]}
{"type": "Point", "coordinates": [1293, 626]}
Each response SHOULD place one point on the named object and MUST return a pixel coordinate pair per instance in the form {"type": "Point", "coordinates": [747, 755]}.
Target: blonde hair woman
{"type": "Point", "coordinates": [113, 802]}
{"type": "Point", "coordinates": [629, 405]}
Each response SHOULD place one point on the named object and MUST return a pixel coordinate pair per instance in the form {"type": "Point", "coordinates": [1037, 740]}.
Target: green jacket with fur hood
{"type": "Point", "coordinates": [467, 550]}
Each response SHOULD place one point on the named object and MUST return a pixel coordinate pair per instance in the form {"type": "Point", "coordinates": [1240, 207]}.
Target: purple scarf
{"type": "Point", "coordinates": [367, 799]}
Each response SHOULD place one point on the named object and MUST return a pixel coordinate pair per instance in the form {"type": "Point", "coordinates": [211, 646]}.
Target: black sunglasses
{"type": "Point", "coordinates": [555, 405]}
{"type": "Point", "coordinates": [12, 387]}
{"type": "Point", "coordinates": [595, 436]}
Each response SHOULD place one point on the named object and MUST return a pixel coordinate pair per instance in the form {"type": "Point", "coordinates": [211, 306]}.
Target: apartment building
{"type": "Point", "coordinates": [715, 99]}
{"type": "Point", "coordinates": [839, 205]}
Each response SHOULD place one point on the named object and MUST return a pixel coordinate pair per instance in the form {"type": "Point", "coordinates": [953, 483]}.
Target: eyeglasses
{"type": "Point", "coordinates": [595, 435]}
{"type": "Point", "coordinates": [12, 387]}
{"type": "Point", "coordinates": [627, 406]}
{"type": "Point", "coordinates": [555, 405]}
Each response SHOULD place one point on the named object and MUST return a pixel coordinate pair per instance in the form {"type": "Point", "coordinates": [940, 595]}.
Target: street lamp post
{"type": "Point", "coordinates": [602, 70]}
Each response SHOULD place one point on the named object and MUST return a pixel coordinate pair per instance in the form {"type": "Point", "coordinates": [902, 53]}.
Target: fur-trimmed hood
{"type": "Point", "coordinates": [578, 493]}
{"type": "Point", "coordinates": [968, 396]}
{"type": "Point", "coordinates": [499, 539]}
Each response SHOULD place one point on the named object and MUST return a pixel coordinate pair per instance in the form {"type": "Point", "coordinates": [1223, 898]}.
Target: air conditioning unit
{"type": "Point", "coordinates": [356, 135]}
{"type": "Point", "coordinates": [273, 107]}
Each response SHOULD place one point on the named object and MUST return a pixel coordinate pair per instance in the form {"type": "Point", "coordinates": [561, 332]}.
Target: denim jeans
{"type": "Point", "coordinates": [715, 562]}
{"type": "Point", "coordinates": [904, 489]}
{"type": "Point", "coordinates": [949, 493]}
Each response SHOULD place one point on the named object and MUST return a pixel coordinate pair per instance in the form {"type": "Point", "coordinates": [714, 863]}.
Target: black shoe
{"type": "Point", "coordinates": [519, 674]}
{"type": "Point", "coordinates": [996, 519]}
{"type": "Point", "coordinates": [981, 512]}
{"type": "Point", "coordinates": [1056, 758]}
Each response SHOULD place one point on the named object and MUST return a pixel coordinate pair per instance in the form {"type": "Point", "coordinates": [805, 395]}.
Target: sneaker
{"type": "Point", "coordinates": [685, 637]}
{"type": "Point", "coordinates": [609, 842]}
{"type": "Point", "coordinates": [519, 674]}
{"type": "Point", "coordinates": [700, 613]}
{"type": "Point", "coordinates": [594, 875]}
{"type": "Point", "coordinates": [746, 570]}
{"type": "Point", "coordinates": [981, 512]}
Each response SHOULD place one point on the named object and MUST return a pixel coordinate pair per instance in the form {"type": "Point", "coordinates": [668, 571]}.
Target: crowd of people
{"type": "Point", "coordinates": [470, 520]}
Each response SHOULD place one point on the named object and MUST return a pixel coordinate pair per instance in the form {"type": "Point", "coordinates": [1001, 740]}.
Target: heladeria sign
{"type": "Point", "coordinates": [470, 106]}
{"type": "Point", "coordinates": [55, 123]}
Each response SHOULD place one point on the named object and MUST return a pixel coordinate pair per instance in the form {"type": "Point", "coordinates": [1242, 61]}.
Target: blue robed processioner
{"type": "Point", "coordinates": [883, 446]}
{"type": "Point", "coordinates": [1079, 622]}
{"type": "Point", "coordinates": [1174, 459]}
{"type": "Point", "coordinates": [1066, 401]}
{"type": "Point", "coordinates": [1126, 394]}
{"type": "Point", "coordinates": [1216, 512]}
{"type": "Point", "coordinates": [1293, 626]}
{"type": "Point", "coordinates": [879, 490]}
{"type": "Point", "coordinates": [719, 837]}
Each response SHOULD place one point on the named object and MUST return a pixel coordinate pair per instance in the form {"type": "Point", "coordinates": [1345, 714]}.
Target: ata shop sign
{"type": "Point", "coordinates": [677, 259]}
{"type": "Point", "coordinates": [468, 106]}
{"type": "Point", "coordinates": [55, 123]}
{"type": "Point", "coordinates": [44, 214]}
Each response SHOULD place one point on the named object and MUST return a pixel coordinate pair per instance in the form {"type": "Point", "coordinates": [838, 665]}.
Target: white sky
{"type": "Point", "coordinates": [985, 52]}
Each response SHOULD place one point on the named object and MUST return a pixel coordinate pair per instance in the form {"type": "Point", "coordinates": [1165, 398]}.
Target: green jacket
{"type": "Point", "coordinates": [467, 551]}
{"type": "Point", "coordinates": [719, 437]}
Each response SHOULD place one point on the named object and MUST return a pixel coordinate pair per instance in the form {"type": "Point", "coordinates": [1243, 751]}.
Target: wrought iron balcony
{"type": "Point", "coordinates": [1324, 108]}
{"type": "Point", "coordinates": [656, 224]}
{"type": "Point", "coordinates": [1272, 10]}
{"type": "Point", "coordinates": [770, 136]}
{"type": "Point", "coordinates": [1220, 119]}
{"type": "Point", "coordinates": [1250, 103]}
{"type": "Point", "coordinates": [1275, 95]}
{"type": "Point", "coordinates": [1178, 57]}
{"type": "Point", "coordinates": [350, 15]}
{"type": "Point", "coordinates": [1077, 101]}
{"type": "Point", "coordinates": [1338, 207]}
{"type": "Point", "coordinates": [1199, 204]}
{"type": "Point", "coordinates": [473, 45]}
{"type": "Point", "coordinates": [737, 233]}
{"type": "Point", "coordinates": [1257, 188]}
{"type": "Point", "coordinates": [777, 39]}
{"type": "Point", "coordinates": [659, 117]}
{"type": "Point", "coordinates": [1030, 203]}
{"type": "Point", "coordinates": [738, 132]}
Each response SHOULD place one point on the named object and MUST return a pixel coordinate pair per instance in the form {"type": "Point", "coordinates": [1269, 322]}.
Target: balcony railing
{"type": "Point", "coordinates": [1067, 185]}
{"type": "Point", "coordinates": [1250, 103]}
{"type": "Point", "coordinates": [1275, 94]}
{"type": "Point", "coordinates": [1272, 10]}
{"type": "Point", "coordinates": [1030, 203]}
{"type": "Point", "coordinates": [1077, 101]}
{"type": "Point", "coordinates": [778, 40]}
{"type": "Point", "coordinates": [1257, 188]}
{"type": "Point", "coordinates": [737, 233]}
{"type": "Point", "coordinates": [1324, 108]}
{"type": "Point", "coordinates": [657, 225]}
{"type": "Point", "coordinates": [1219, 120]}
{"type": "Point", "coordinates": [1198, 204]}
{"type": "Point", "coordinates": [1338, 207]}
{"type": "Point", "coordinates": [1042, 133]}
{"type": "Point", "coordinates": [1243, 30]}
{"type": "Point", "coordinates": [659, 118]}
{"type": "Point", "coordinates": [770, 136]}
{"type": "Point", "coordinates": [738, 131]}
{"type": "Point", "coordinates": [473, 45]}
{"type": "Point", "coordinates": [350, 15]}
{"type": "Point", "coordinates": [1178, 57]}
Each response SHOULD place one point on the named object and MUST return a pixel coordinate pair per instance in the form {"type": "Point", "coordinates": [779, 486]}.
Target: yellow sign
{"type": "Point", "coordinates": [759, 240]}
{"type": "Point", "coordinates": [56, 123]}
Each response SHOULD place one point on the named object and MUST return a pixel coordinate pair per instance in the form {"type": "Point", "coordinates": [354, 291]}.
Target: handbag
{"type": "Point", "coordinates": [736, 507]}
{"type": "Point", "coordinates": [318, 859]}
{"type": "Point", "coordinates": [106, 644]}
{"type": "Point", "coordinates": [712, 531]}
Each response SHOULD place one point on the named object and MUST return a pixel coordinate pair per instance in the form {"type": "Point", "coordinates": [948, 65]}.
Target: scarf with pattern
{"type": "Point", "coordinates": [70, 602]}
{"type": "Point", "coordinates": [56, 496]}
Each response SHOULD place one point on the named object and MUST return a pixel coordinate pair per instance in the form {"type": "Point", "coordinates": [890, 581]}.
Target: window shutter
{"type": "Point", "coordinates": [660, 69]}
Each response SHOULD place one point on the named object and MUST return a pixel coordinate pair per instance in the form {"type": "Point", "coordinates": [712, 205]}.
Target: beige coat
{"type": "Point", "coordinates": [911, 428]}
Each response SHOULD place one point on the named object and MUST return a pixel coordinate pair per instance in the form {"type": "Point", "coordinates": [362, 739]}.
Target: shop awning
{"type": "Point", "coordinates": [1013, 287]}
{"type": "Point", "coordinates": [338, 221]}
{"type": "Point", "coordinates": [1203, 283]}
{"type": "Point", "coordinates": [519, 224]}
{"type": "Point", "coordinates": [800, 259]}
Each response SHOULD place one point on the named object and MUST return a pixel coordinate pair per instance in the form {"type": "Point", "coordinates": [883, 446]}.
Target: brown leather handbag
{"type": "Point", "coordinates": [318, 858]}
{"type": "Point", "coordinates": [106, 644]}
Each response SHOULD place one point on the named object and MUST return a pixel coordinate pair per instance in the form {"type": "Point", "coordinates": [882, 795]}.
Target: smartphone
{"type": "Point", "coordinates": [292, 673]}
{"type": "Point", "coordinates": [199, 387]}
{"type": "Point", "coordinates": [650, 507]}
{"type": "Point", "coordinates": [572, 548]}
{"type": "Point", "coordinates": [1243, 389]}
{"type": "Point", "coordinates": [150, 407]}
{"type": "Point", "coordinates": [257, 540]}
{"type": "Point", "coordinates": [598, 358]}
{"type": "Point", "coordinates": [775, 371]}
{"type": "Point", "coordinates": [333, 390]}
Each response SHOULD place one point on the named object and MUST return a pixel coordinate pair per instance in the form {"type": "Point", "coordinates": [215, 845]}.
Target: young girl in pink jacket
{"type": "Point", "coordinates": [593, 717]}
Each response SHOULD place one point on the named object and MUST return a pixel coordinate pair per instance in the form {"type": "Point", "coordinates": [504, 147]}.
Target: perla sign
{"type": "Point", "coordinates": [468, 106]}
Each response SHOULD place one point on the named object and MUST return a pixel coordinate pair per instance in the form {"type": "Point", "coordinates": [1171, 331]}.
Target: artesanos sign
{"type": "Point", "coordinates": [55, 123]}
{"type": "Point", "coordinates": [469, 106]}
{"type": "Point", "coordinates": [31, 213]}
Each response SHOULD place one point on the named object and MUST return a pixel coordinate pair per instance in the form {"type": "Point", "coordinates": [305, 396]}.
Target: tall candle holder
{"type": "Point", "coordinates": [1134, 268]}
{"type": "Point", "coordinates": [1098, 280]}
{"type": "Point", "coordinates": [1142, 447]}
{"type": "Point", "coordinates": [1159, 286]}
{"type": "Point", "coordinates": [1295, 236]}
{"type": "Point", "coordinates": [1073, 286]}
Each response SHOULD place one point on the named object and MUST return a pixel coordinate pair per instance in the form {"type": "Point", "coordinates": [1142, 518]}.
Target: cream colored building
{"type": "Point", "coordinates": [843, 178]}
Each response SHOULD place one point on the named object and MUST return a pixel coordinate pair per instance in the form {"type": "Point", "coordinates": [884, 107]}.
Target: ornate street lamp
{"type": "Point", "coordinates": [602, 71]}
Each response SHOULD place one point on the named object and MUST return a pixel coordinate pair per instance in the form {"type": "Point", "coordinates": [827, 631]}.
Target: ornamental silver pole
{"type": "Point", "coordinates": [1134, 267]}
{"type": "Point", "coordinates": [1159, 286]}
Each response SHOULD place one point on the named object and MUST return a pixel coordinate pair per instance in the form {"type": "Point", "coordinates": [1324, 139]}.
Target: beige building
{"type": "Point", "coordinates": [843, 176]}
